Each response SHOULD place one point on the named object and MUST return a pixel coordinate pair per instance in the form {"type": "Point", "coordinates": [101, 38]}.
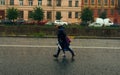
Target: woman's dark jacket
{"type": "Point", "coordinates": [62, 38]}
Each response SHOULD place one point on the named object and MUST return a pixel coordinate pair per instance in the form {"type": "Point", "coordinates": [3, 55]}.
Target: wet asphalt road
{"type": "Point", "coordinates": [34, 56]}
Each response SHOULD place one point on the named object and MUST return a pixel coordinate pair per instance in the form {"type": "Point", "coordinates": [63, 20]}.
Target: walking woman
{"type": "Point", "coordinates": [62, 41]}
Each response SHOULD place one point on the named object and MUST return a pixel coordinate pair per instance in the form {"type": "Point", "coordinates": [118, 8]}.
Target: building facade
{"type": "Point", "coordinates": [109, 6]}
{"type": "Point", "coordinates": [69, 9]}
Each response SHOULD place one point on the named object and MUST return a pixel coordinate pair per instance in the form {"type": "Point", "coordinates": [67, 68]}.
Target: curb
{"type": "Point", "coordinates": [76, 37]}
{"type": "Point", "coordinates": [96, 37]}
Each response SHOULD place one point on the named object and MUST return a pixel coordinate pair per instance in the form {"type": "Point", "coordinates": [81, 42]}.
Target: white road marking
{"type": "Point", "coordinates": [47, 46]}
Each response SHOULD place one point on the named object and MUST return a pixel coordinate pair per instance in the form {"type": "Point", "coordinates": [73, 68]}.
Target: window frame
{"type": "Point", "coordinates": [76, 3]}
{"type": "Point", "coordinates": [30, 2]}
{"type": "Point", "coordinates": [85, 2]}
{"type": "Point", "coordinates": [112, 3]}
{"type": "Point", "coordinates": [99, 2]}
{"type": "Point", "coordinates": [39, 2]}
{"type": "Point", "coordinates": [105, 2]}
{"type": "Point", "coordinates": [76, 14]}
{"type": "Point", "coordinates": [11, 2]}
{"type": "Point", "coordinates": [21, 2]}
{"type": "Point", "coordinates": [92, 2]}
{"type": "Point", "coordinates": [49, 2]}
{"type": "Point", "coordinates": [21, 14]}
{"type": "Point", "coordinates": [2, 2]}
{"type": "Point", "coordinates": [49, 15]}
{"type": "Point", "coordinates": [58, 2]}
{"type": "Point", "coordinates": [70, 3]}
{"type": "Point", "coordinates": [70, 14]}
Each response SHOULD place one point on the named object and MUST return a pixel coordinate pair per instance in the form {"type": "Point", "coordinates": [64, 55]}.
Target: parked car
{"type": "Point", "coordinates": [115, 25]}
{"type": "Point", "coordinates": [49, 23]}
{"type": "Point", "coordinates": [60, 22]}
{"type": "Point", "coordinates": [29, 23]}
{"type": "Point", "coordinates": [84, 23]}
{"type": "Point", "coordinates": [105, 22]}
{"type": "Point", "coordinates": [42, 22]}
{"type": "Point", "coordinates": [6, 21]}
{"type": "Point", "coordinates": [101, 22]}
{"type": "Point", "coordinates": [108, 22]}
{"type": "Point", "coordinates": [94, 24]}
{"type": "Point", "coordinates": [20, 21]}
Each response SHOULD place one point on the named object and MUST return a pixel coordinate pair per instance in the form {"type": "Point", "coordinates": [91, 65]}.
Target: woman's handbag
{"type": "Point", "coordinates": [68, 40]}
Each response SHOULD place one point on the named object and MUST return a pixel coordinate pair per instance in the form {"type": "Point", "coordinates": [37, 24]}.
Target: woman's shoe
{"type": "Point", "coordinates": [55, 56]}
{"type": "Point", "coordinates": [73, 56]}
{"type": "Point", "coordinates": [63, 55]}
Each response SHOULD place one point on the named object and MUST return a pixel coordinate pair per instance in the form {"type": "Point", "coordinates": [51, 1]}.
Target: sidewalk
{"type": "Point", "coordinates": [75, 37]}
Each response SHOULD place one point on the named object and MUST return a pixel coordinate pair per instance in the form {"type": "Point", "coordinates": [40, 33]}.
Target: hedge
{"type": "Point", "coordinates": [51, 31]}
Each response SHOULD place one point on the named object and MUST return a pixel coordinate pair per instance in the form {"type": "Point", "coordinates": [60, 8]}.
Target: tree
{"type": "Point", "coordinates": [58, 16]}
{"type": "Point", "coordinates": [12, 13]}
{"type": "Point", "coordinates": [103, 15]}
{"type": "Point", "coordinates": [86, 15]}
{"type": "Point", "coordinates": [37, 14]}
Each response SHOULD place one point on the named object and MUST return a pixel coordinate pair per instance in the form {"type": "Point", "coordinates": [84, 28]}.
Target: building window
{"type": "Point", "coordinates": [30, 14]}
{"type": "Point", "coordinates": [112, 11]}
{"type": "Point", "coordinates": [119, 12]}
{"type": "Point", "coordinates": [85, 2]}
{"type": "Point", "coordinates": [49, 15]}
{"type": "Point", "coordinates": [112, 2]}
{"type": "Point", "coordinates": [76, 14]}
{"type": "Point", "coordinates": [21, 14]}
{"type": "Point", "coordinates": [105, 2]}
{"type": "Point", "coordinates": [39, 2]}
{"type": "Point", "coordinates": [70, 15]}
{"type": "Point", "coordinates": [2, 14]}
{"type": "Point", "coordinates": [70, 3]}
{"type": "Point", "coordinates": [106, 10]}
{"type": "Point", "coordinates": [58, 13]}
{"type": "Point", "coordinates": [99, 11]}
{"type": "Point", "coordinates": [58, 2]}
{"type": "Point", "coordinates": [30, 2]}
{"type": "Point", "coordinates": [119, 4]}
{"type": "Point", "coordinates": [11, 2]}
{"type": "Point", "coordinates": [49, 3]}
{"type": "Point", "coordinates": [2, 2]}
{"type": "Point", "coordinates": [99, 2]}
{"type": "Point", "coordinates": [76, 3]}
{"type": "Point", "coordinates": [92, 2]}
{"type": "Point", "coordinates": [21, 2]}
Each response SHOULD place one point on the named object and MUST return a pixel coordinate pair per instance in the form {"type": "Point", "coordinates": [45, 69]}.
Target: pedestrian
{"type": "Point", "coordinates": [63, 42]}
